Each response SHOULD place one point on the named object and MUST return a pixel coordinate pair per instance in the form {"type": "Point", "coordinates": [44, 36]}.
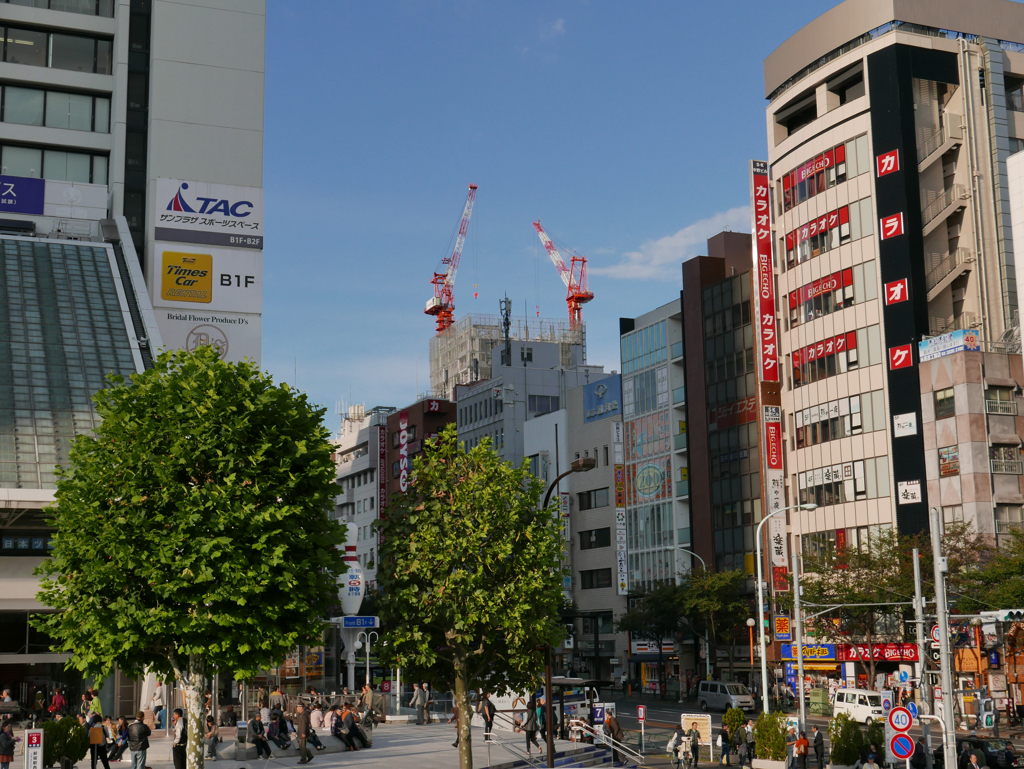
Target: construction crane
{"type": "Point", "coordinates": [442, 303]}
{"type": "Point", "coordinates": [575, 278]}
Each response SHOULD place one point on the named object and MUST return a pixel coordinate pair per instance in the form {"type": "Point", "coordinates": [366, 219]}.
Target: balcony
{"type": "Point", "coordinates": [677, 351]}
{"type": "Point", "coordinates": [1006, 408]}
{"type": "Point", "coordinates": [1006, 467]}
{"type": "Point", "coordinates": [929, 148]}
{"type": "Point", "coordinates": [943, 269]}
{"type": "Point", "coordinates": [679, 442]}
{"type": "Point", "coordinates": [939, 326]}
{"type": "Point", "coordinates": [942, 205]}
{"type": "Point", "coordinates": [682, 489]}
{"type": "Point", "coordinates": [679, 396]}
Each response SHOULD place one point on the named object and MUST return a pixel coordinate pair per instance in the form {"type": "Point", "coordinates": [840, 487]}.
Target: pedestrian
{"type": "Point", "coordinates": [98, 743]}
{"type": "Point", "coordinates": [530, 724]}
{"type": "Point", "coordinates": [612, 728]}
{"type": "Point", "coordinates": [801, 751]}
{"type": "Point", "coordinates": [694, 735]}
{"type": "Point", "coordinates": [179, 742]}
{"type": "Point", "coordinates": [156, 702]}
{"type": "Point", "coordinates": [428, 693]}
{"type": "Point", "coordinates": [109, 737]}
{"type": "Point", "coordinates": [58, 703]}
{"type": "Point", "coordinates": [212, 737]}
{"type": "Point", "coordinates": [791, 748]}
{"type": "Point", "coordinates": [749, 730]}
{"type": "Point", "coordinates": [355, 734]}
{"type": "Point", "coordinates": [919, 760]}
{"type": "Point", "coordinates": [138, 740]}
{"type": "Point", "coordinates": [366, 698]}
{"type": "Point", "coordinates": [316, 717]}
{"type": "Point", "coordinates": [676, 746]}
{"type": "Point", "coordinates": [256, 733]}
{"type": "Point", "coordinates": [302, 732]}
{"type": "Point", "coordinates": [419, 701]}
{"type": "Point", "coordinates": [488, 711]}
{"type": "Point", "coordinates": [542, 719]}
{"type": "Point", "coordinates": [120, 738]}
{"type": "Point", "coordinates": [724, 743]}
{"type": "Point", "coordinates": [819, 747]}
{"type": "Point", "coordinates": [277, 732]}
{"type": "Point", "coordinates": [870, 764]}
{"type": "Point", "coordinates": [455, 718]}
{"type": "Point", "coordinates": [7, 743]}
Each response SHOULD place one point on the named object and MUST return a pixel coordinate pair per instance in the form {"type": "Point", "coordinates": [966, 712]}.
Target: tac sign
{"type": "Point", "coordinates": [641, 713]}
{"type": "Point", "coordinates": [900, 719]}
{"type": "Point", "coordinates": [901, 746]}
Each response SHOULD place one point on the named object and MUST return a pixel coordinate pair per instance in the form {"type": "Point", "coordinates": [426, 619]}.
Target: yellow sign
{"type": "Point", "coordinates": [187, 277]}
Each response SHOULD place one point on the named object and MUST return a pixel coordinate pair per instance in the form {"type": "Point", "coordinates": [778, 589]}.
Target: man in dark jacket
{"type": "Point", "coordinates": [256, 733]}
{"type": "Point", "coordinates": [138, 740]}
{"type": "Point", "coordinates": [819, 747]}
{"type": "Point", "coordinates": [355, 734]}
{"type": "Point", "coordinates": [302, 732]}
{"type": "Point", "coordinates": [611, 726]}
{"type": "Point", "coordinates": [919, 759]}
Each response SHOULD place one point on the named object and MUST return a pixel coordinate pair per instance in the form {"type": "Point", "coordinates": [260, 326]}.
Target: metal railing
{"type": "Point", "coordinates": [521, 755]}
{"type": "Point", "coordinates": [938, 326]}
{"type": "Point", "coordinates": [1006, 467]}
{"type": "Point", "coordinates": [600, 738]}
{"type": "Point", "coordinates": [938, 266]}
{"type": "Point", "coordinates": [1009, 408]}
{"type": "Point", "coordinates": [950, 129]}
{"type": "Point", "coordinates": [938, 205]}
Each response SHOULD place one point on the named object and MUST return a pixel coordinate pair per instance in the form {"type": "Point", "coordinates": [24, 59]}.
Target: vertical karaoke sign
{"type": "Point", "coordinates": [767, 333]}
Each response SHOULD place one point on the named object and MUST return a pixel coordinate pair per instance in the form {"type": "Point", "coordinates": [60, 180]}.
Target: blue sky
{"type": "Point", "coordinates": [625, 127]}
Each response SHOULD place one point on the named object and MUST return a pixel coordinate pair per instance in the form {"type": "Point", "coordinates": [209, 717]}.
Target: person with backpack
{"type": "Point", "coordinates": [488, 711]}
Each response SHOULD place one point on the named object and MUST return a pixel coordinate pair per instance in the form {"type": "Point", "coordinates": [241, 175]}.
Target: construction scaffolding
{"type": "Point", "coordinates": [462, 353]}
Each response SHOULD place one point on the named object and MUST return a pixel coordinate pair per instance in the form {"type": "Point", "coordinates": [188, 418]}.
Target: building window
{"type": "Point", "coordinates": [526, 354]}
{"type": "Point", "coordinates": [836, 484]}
{"type": "Point", "coordinates": [606, 456]}
{"type": "Point", "coordinates": [543, 404]}
{"type": "Point", "coordinates": [952, 514]}
{"type": "Point", "coordinates": [829, 231]}
{"type": "Point", "coordinates": [949, 461]}
{"type": "Point", "coordinates": [592, 579]}
{"type": "Point", "coordinates": [87, 7]}
{"type": "Point", "coordinates": [58, 51]}
{"type": "Point", "coordinates": [833, 167]}
{"type": "Point", "coordinates": [1008, 519]}
{"type": "Point", "coordinates": [595, 538]}
{"type": "Point", "coordinates": [593, 499]}
{"type": "Point", "coordinates": [604, 621]}
{"type": "Point", "coordinates": [57, 165]}
{"type": "Point", "coordinates": [944, 403]}
{"type": "Point", "coordinates": [395, 469]}
{"type": "Point", "coordinates": [837, 355]}
{"type": "Point", "coordinates": [841, 418]}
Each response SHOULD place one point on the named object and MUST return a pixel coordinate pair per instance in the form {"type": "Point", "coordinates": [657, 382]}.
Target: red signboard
{"type": "Point", "coordinates": [404, 466]}
{"type": "Point", "coordinates": [895, 652]}
{"type": "Point", "coordinates": [773, 444]}
{"type": "Point", "coordinates": [896, 291]}
{"type": "Point", "coordinates": [891, 226]}
{"type": "Point", "coordinates": [780, 579]}
{"type": "Point", "coordinates": [767, 333]}
{"type": "Point", "coordinates": [736, 413]}
{"type": "Point", "coordinates": [901, 357]}
{"type": "Point", "coordinates": [382, 473]}
{"type": "Point", "coordinates": [888, 162]}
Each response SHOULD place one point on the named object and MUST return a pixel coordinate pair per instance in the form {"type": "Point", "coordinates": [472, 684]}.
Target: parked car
{"type": "Point", "coordinates": [995, 752]}
{"type": "Point", "coordinates": [722, 695]}
{"type": "Point", "coordinates": [862, 705]}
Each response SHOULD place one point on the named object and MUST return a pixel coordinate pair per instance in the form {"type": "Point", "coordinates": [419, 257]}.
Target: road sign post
{"type": "Point", "coordinates": [34, 749]}
{"type": "Point", "coordinates": [641, 716]}
{"type": "Point", "coordinates": [900, 719]}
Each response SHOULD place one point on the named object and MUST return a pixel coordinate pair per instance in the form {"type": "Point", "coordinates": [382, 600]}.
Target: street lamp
{"type": "Point", "coordinates": [750, 627]}
{"type": "Point", "coordinates": [760, 597]}
{"type": "Point", "coordinates": [707, 644]}
{"type": "Point", "coordinates": [581, 465]}
{"type": "Point", "coordinates": [359, 645]}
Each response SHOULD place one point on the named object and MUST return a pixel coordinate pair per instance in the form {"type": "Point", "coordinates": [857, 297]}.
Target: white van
{"type": "Point", "coordinates": [720, 695]}
{"type": "Point", "coordinates": [862, 705]}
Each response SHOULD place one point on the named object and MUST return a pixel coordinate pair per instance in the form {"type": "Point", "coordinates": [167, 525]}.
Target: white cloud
{"type": "Point", "coordinates": [659, 259]}
{"type": "Point", "coordinates": [553, 30]}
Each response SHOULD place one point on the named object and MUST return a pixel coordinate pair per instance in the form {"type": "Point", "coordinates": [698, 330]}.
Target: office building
{"type": "Point", "coordinates": [407, 430]}
{"type": "Point", "coordinates": [153, 110]}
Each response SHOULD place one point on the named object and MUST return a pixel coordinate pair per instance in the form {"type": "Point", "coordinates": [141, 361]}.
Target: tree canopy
{"type": "Point", "coordinates": [191, 529]}
{"type": "Point", "coordinates": [470, 576]}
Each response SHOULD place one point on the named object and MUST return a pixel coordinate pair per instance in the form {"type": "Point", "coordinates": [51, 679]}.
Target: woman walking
{"type": "Point", "coordinates": [7, 743]}
{"type": "Point", "coordinates": [530, 724]}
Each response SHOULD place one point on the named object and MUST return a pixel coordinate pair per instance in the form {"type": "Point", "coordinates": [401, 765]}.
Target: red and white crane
{"type": "Point", "coordinates": [575, 278]}
{"type": "Point", "coordinates": [442, 303]}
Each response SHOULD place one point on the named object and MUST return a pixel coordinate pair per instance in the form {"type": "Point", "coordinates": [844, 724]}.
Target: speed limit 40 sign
{"type": "Point", "coordinates": [900, 719]}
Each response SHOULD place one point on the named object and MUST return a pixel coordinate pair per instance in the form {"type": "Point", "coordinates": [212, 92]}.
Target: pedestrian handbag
{"type": "Point", "coordinates": [96, 736]}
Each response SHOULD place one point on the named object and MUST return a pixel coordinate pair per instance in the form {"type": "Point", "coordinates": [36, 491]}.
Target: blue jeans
{"type": "Point", "coordinates": [159, 716]}
{"type": "Point", "coordinates": [139, 759]}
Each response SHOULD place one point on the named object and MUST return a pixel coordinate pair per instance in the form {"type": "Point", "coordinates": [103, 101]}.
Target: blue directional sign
{"type": "Point", "coordinates": [903, 676]}
{"type": "Point", "coordinates": [354, 622]}
{"type": "Point", "coordinates": [912, 707]}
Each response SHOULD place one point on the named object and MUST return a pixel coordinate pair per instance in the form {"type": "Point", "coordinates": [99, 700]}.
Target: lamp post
{"type": "Point", "coordinates": [760, 597]}
{"type": "Point", "coordinates": [707, 644]}
{"type": "Point", "coordinates": [581, 465]}
{"type": "Point", "coordinates": [750, 627]}
{"type": "Point", "coordinates": [359, 644]}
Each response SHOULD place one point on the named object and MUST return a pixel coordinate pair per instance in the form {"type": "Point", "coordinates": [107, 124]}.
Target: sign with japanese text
{"type": "Point", "coordinates": [620, 485]}
{"type": "Point", "coordinates": [885, 652]}
{"type": "Point", "coordinates": [404, 465]}
{"type": "Point", "coordinates": [22, 195]}
{"type": "Point", "coordinates": [773, 437]}
{"type": "Point", "coordinates": [602, 399]}
{"type": "Point", "coordinates": [901, 356]}
{"type": "Point", "coordinates": [896, 291]}
{"type": "Point", "coordinates": [891, 226]}
{"type": "Point", "coordinates": [904, 425]}
{"type": "Point", "coordinates": [563, 504]}
{"type": "Point", "coordinates": [34, 749]}
{"type": "Point", "coordinates": [963, 340]}
{"type": "Point", "coordinates": [201, 212]}
{"type": "Point", "coordinates": [620, 550]}
{"type": "Point", "coordinates": [777, 541]}
{"type": "Point", "coordinates": [735, 413]}
{"type": "Point", "coordinates": [908, 492]}
{"type": "Point", "coordinates": [888, 162]}
{"type": "Point", "coordinates": [764, 306]}
{"type": "Point", "coordinates": [783, 628]}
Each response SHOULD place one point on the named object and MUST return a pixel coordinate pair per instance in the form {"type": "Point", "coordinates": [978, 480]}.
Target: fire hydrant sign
{"type": "Point", "coordinates": [34, 749]}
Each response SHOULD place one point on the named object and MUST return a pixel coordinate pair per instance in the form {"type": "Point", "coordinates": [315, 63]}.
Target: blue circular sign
{"type": "Point", "coordinates": [912, 707]}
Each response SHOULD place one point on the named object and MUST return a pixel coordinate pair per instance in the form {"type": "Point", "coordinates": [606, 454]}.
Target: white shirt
{"type": "Point", "coordinates": [179, 727]}
{"type": "Point", "coordinates": [158, 697]}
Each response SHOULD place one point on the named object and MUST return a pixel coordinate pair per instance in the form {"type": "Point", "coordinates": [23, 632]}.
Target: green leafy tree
{"type": "Point", "coordinates": [845, 740]}
{"type": "Point", "coordinates": [191, 532]}
{"type": "Point", "coordinates": [655, 615]}
{"type": "Point", "coordinates": [770, 736]}
{"type": "Point", "coordinates": [999, 583]}
{"type": "Point", "coordinates": [713, 601]}
{"type": "Point", "coordinates": [471, 585]}
{"type": "Point", "coordinates": [733, 719]}
{"type": "Point", "coordinates": [65, 742]}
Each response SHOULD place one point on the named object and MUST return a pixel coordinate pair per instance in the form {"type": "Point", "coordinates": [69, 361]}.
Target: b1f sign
{"type": "Point", "coordinates": [767, 333]}
{"type": "Point", "coordinates": [201, 212]}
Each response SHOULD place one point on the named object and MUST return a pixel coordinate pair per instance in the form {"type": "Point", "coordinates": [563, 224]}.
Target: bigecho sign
{"type": "Point", "coordinates": [895, 652]}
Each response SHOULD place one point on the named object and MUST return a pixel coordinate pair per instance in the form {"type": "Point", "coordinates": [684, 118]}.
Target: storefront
{"type": "Point", "coordinates": [830, 665]}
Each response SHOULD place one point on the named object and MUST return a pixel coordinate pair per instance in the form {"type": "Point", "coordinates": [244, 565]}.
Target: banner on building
{"type": "Point", "coordinates": [235, 335]}
{"type": "Point", "coordinates": [205, 278]}
{"type": "Point", "coordinates": [767, 333]}
{"type": "Point", "coordinates": [404, 465]}
{"type": "Point", "coordinates": [201, 212]}
{"type": "Point", "coordinates": [620, 486]}
{"type": "Point", "coordinates": [382, 474]}
{"type": "Point", "coordinates": [620, 546]}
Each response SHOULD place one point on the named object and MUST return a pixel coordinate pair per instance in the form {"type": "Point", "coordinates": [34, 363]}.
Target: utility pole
{"type": "Point", "coordinates": [799, 642]}
{"type": "Point", "coordinates": [942, 618]}
{"type": "Point", "coordinates": [925, 687]}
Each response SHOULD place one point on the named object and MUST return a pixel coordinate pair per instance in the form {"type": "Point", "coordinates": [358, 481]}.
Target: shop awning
{"type": "Point", "coordinates": [651, 657]}
{"type": "Point", "coordinates": [995, 381]}
{"type": "Point", "coordinates": [1008, 499]}
{"type": "Point", "coordinates": [1005, 439]}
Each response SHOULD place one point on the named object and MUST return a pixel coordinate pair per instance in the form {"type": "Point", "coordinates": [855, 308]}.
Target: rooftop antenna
{"type": "Point", "coordinates": [506, 323]}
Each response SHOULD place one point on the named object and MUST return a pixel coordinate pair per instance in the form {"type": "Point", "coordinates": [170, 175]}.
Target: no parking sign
{"type": "Point", "coordinates": [901, 746]}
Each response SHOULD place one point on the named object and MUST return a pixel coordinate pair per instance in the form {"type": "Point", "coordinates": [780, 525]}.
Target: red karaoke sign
{"type": "Point", "coordinates": [767, 333]}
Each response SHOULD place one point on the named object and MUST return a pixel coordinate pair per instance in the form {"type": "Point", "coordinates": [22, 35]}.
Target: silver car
{"type": "Point", "coordinates": [720, 695]}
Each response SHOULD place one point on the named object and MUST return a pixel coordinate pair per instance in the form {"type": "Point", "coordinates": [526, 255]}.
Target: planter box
{"type": "Point", "coordinates": [764, 763]}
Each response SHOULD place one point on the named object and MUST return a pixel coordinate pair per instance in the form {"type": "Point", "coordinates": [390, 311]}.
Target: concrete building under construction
{"type": "Point", "coordinates": [461, 354]}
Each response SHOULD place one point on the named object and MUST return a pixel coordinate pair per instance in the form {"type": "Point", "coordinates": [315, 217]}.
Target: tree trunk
{"type": "Point", "coordinates": [192, 680]}
{"type": "Point", "coordinates": [465, 715]}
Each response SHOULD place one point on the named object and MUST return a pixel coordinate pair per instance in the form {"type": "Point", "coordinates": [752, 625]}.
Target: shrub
{"type": "Point", "coordinates": [734, 719]}
{"type": "Point", "coordinates": [876, 735]}
{"type": "Point", "coordinates": [770, 736]}
{"type": "Point", "coordinates": [845, 740]}
{"type": "Point", "coordinates": [64, 739]}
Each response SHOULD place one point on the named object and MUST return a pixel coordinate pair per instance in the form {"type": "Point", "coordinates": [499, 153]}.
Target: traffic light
{"type": "Point", "coordinates": [1012, 615]}
{"type": "Point", "coordinates": [988, 720]}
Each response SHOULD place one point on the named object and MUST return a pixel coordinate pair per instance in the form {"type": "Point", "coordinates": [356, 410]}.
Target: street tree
{"type": "Point", "coordinates": [999, 582]}
{"type": "Point", "coordinates": [654, 615]}
{"type": "Point", "coordinates": [470, 575]}
{"type": "Point", "coordinates": [713, 602]}
{"type": "Point", "coordinates": [191, 529]}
